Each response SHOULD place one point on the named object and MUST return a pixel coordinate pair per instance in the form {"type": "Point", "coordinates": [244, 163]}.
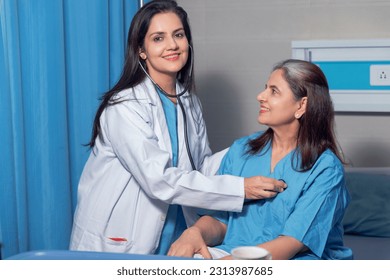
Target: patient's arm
{"type": "Point", "coordinates": [281, 248]}
{"type": "Point", "coordinates": [284, 247]}
{"type": "Point", "coordinates": [207, 231]}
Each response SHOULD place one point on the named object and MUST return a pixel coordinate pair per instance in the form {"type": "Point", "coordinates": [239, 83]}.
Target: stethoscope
{"type": "Point", "coordinates": [177, 96]}
{"type": "Point", "coordinates": [252, 201]}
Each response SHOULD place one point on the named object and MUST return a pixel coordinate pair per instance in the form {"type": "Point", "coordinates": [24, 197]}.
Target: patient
{"type": "Point", "coordinates": [299, 147]}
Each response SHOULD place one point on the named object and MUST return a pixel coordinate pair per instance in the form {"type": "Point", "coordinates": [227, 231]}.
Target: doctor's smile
{"type": "Point", "coordinates": [172, 57]}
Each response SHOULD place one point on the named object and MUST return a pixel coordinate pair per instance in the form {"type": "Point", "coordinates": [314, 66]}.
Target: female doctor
{"type": "Point", "coordinates": [150, 151]}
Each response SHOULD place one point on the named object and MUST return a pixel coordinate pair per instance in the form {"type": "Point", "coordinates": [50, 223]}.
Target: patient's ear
{"type": "Point", "coordinates": [302, 108]}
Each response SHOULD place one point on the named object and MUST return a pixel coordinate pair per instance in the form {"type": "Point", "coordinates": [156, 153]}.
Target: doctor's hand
{"type": "Point", "coordinates": [189, 244]}
{"type": "Point", "coordinates": [260, 187]}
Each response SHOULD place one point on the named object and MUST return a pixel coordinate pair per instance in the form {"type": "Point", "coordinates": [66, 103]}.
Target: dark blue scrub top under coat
{"type": "Point", "coordinates": [174, 223]}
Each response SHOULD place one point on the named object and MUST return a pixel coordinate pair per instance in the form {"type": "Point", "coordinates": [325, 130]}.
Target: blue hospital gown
{"type": "Point", "coordinates": [311, 209]}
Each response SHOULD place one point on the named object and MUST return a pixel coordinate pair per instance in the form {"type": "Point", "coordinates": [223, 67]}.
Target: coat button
{"type": "Point", "coordinates": [162, 218]}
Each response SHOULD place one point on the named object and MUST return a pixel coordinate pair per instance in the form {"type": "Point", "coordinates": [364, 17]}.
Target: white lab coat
{"type": "Point", "coordinates": [128, 183]}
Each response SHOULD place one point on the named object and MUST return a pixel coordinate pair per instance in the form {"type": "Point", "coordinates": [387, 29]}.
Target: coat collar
{"type": "Point", "coordinates": [147, 90]}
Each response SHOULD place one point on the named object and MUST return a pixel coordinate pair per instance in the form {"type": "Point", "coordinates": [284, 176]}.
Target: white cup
{"type": "Point", "coordinates": [250, 253]}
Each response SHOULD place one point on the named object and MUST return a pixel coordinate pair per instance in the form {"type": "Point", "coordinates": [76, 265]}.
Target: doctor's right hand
{"type": "Point", "coordinates": [260, 187]}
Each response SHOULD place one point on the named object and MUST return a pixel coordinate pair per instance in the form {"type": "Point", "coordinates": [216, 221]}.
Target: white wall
{"type": "Point", "coordinates": [238, 42]}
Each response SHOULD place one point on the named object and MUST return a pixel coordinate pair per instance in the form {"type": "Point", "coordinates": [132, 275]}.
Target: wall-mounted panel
{"type": "Point", "coordinates": [358, 71]}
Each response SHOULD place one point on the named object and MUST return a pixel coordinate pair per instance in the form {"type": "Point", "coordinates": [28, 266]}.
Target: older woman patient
{"type": "Point", "coordinates": [299, 147]}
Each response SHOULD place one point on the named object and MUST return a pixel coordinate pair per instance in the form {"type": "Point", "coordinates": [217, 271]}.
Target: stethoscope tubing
{"type": "Point", "coordinates": [177, 96]}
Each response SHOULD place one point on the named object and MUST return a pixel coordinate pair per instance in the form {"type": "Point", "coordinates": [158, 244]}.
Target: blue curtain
{"type": "Point", "coordinates": [57, 57]}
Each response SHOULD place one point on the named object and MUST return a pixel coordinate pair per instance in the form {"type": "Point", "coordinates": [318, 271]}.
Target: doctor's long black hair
{"type": "Point", "coordinates": [132, 73]}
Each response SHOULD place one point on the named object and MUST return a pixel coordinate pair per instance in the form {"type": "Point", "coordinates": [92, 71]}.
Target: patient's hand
{"type": "Point", "coordinates": [188, 244]}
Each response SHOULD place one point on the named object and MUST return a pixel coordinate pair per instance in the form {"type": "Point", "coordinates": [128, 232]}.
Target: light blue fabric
{"type": "Point", "coordinates": [56, 59]}
{"type": "Point", "coordinates": [174, 223]}
{"type": "Point", "coordinates": [310, 209]}
{"type": "Point", "coordinates": [171, 118]}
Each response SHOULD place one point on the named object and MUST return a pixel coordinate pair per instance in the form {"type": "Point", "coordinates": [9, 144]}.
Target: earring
{"type": "Point", "coordinates": [297, 116]}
